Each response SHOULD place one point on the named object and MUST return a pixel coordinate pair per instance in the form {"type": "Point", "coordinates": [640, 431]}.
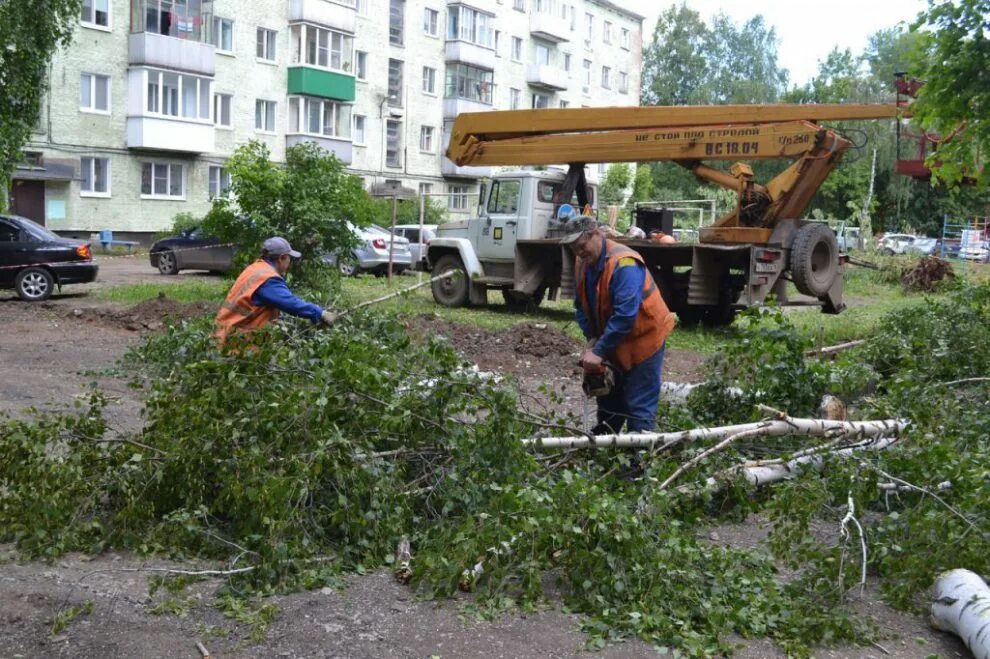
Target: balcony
{"type": "Point", "coordinates": [471, 53]}
{"type": "Point", "coordinates": [169, 134]}
{"type": "Point", "coordinates": [323, 12]}
{"type": "Point", "coordinates": [451, 169]}
{"type": "Point", "coordinates": [310, 81]}
{"type": "Point", "coordinates": [550, 28]}
{"type": "Point", "coordinates": [175, 39]}
{"type": "Point", "coordinates": [547, 77]}
{"type": "Point", "coordinates": [169, 111]}
{"type": "Point", "coordinates": [340, 147]}
{"type": "Point", "coordinates": [466, 94]}
{"type": "Point", "coordinates": [455, 106]}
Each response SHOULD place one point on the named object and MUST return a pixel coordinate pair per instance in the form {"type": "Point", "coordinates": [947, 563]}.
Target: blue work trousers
{"type": "Point", "coordinates": [634, 398]}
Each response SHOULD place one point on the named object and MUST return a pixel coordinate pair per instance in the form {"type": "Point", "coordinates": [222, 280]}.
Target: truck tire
{"type": "Point", "coordinates": [521, 301]}
{"type": "Point", "coordinates": [814, 259]}
{"type": "Point", "coordinates": [451, 291]}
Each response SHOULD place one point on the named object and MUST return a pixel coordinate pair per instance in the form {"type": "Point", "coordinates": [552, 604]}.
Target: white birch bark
{"type": "Point", "coordinates": [678, 392]}
{"type": "Point", "coordinates": [961, 605]}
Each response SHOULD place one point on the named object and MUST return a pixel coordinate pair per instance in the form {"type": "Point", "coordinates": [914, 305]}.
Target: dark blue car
{"type": "Point", "coordinates": [33, 260]}
{"type": "Point", "coordinates": [190, 250]}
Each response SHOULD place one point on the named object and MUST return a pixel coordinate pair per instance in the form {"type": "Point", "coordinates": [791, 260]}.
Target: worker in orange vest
{"type": "Point", "coordinates": [260, 294]}
{"type": "Point", "coordinates": [623, 316]}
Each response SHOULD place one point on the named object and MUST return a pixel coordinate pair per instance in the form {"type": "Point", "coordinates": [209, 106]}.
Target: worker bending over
{"type": "Point", "coordinates": [260, 294]}
{"type": "Point", "coordinates": [623, 316]}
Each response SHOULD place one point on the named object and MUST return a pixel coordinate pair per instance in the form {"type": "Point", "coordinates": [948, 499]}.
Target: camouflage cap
{"type": "Point", "coordinates": [579, 227]}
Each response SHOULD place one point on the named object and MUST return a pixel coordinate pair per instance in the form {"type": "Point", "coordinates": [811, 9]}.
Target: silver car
{"type": "Point", "coordinates": [418, 242]}
{"type": "Point", "coordinates": [372, 253]}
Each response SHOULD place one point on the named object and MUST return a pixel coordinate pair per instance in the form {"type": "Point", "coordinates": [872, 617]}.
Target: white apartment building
{"type": "Point", "coordinates": [153, 96]}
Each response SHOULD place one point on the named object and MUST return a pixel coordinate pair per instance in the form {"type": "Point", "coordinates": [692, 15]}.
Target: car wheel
{"type": "Point", "coordinates": [34, 284]}
{"type": "Point", "coordinates": [451, 291]}
{"type": "Point", "coordinates": [167, 265]}
{"type": "Point", "coordinates": [348, 265]}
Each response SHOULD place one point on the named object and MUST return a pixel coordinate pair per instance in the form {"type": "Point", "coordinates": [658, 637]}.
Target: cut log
{"type": "Point", "coordinates": [774, 428]}
{"type": "Point", "coordinates": [678, 392]}
{"type": "Point", "coordinates": [961, 605]}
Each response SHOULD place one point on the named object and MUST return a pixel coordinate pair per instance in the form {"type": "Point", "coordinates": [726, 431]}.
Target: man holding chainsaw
{"type": "Point", "coordinates": [260, 294]}
{"type": "Point", "coordinates": [623, 316]}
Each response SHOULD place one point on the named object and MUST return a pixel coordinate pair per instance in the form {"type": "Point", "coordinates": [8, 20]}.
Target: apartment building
{"type": "Point", "coordinates": [153, 96]}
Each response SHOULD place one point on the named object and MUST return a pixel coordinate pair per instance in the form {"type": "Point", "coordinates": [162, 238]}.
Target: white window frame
{"type": "Point", "coordinates": [519, 5]}
{"type": "Point", "coordinates": [516, 49]}
{"type": "Point", "coordinates": [361, 7]}
{"type": "Point", "coordinates": [425, 189]}
{"type": "Point", "coordinates": [397, 162]}
{"type": "Point", "coordinates": [93, 78]}
{"type": "Point", "coordinates": [302, 117]}
{"type": "Point", "coordinates": [542, 49]}
{"type": "Point", "coordinates": [426, 142]}
{"type": "Point", "coordinates": [586, 82]}
{"type": "Point", "coordinates": [92, 24]}
{"type": "Point", "coordinates": [168, 181]}
{"type": "Point", "coordinates": [223, 174]}
{"type": "Point", "coordinates": [457, 199]}
{"type": "Point", "coordinates": [607, 32]}
{"type": "Point", "coordinates": [624, 39]}
{"type": "Point", "coordinates": [217, 111]}
{"type": "Point", "coordinates": [623, 82]}
{"type": "Point", "coordinates": [364, 129]}
{"type": "Point", "coordinates": [515, 98]}
{"type": "Point", "coordinates": [299, 37]}
{"type": "Point", "coordinates": [266, 102]}
{"type": "Point", "coordinates": [536, 95]}
{"type": "Point", "coordinates": [472, 26]}
{"type": "Point", "coordinates": [204, 87]}
{"type": "Point", "coordinates": [606, 77]}
{"type": "Point", "coordinates": [431, 19]}
{"type": "Point", "coordinates": [567, 62]}
{"type": "Point", "coordinates": [218, 22]}
{"type": "Point", "coordinates": [358, 69]}
{"type": "Point", "coordinates": [91, 166]}
{"type": "Point", "coordinates": [429, 76]}
{"type": "Point", "coordinates": [269, 42]}
{"type": "Point", "coordinates": [563, 104]}
{"type": "Point", "coordinates": [589, 27]}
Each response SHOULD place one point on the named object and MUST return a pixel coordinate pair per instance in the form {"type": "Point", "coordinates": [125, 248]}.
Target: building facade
{"type": "Point", "coordinates": [153, 96]}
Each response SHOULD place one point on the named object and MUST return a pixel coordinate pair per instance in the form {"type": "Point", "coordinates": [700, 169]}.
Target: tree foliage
{"type": "Point", "coordinates": [407, 211]}
{"type": "Point", "coordinates": [954, 61]}
{"type": "Point", "coordinates": [613, 188]}
{"type": "Point", "coordinates": [309, 201]}
{"type": "Point", "coordinates": [30, 32]}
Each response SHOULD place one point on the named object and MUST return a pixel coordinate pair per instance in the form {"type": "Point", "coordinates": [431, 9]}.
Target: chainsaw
{"type": "Point", "coordinates": [598, 380]}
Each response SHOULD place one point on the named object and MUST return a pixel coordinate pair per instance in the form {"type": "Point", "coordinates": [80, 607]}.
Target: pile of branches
{"type": "Point", "coordinates": [927, 274]}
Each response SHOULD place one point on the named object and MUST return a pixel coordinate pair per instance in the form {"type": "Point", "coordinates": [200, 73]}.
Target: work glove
{"type": "Point", "coordinates": [328, 318]}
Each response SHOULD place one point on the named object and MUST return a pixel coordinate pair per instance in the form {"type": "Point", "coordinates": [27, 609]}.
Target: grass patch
{"type": "Point", "coordinates": [211, 289]}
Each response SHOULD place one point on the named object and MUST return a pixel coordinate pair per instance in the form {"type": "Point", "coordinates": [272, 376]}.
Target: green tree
{"type": "Point", "coordinates": [309, 201]}
{"type": "Point", "coordinates": [953, 59]}
{"type": "Point", "coordinates": [30, 31]}
{"type": "Point", "coordinates": [675, 62]}
{"type": "Point", "coordinates": [613, 188]}
{"type": "Point", "coordinates": [407, 211]}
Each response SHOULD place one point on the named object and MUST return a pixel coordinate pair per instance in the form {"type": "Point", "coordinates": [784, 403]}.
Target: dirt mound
{"type": "Point", "coordinates": [151, 315]}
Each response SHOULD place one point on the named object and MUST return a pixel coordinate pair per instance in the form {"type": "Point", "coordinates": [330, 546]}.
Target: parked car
{"type": "Point", "coordinates": [417, 242]}
{"type": "Point", "coordinates": [372, 253]}
{"type": "Point", "coordinates": [33, 260]}
{"type": "Point", "coordinates": [190, 250]}
{"type": "Point", "coordinates": [979, 252]}
{"type": "Point", "coordinates": [924, 247]}
{"type": "Point", "coordinates": [896, 243]}
{"type": "Point", "coordinates": [848, 238]}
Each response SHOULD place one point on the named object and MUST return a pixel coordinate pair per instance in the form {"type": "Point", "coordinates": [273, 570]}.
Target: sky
{"type": "Point", "coordinates": [807, 31]}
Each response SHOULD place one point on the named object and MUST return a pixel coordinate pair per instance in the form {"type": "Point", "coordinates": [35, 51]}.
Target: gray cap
{"type": "Point", "coordinates": [278, 246]}
{"type": "Point", "coordinates": [577, 228]}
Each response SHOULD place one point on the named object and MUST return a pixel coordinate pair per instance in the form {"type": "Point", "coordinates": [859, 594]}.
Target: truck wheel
{"type": "Point", "coordinates": [522, 302]}
{"type": "Point", "coordinates": [451, 291]}
{"type": "Point", "coordinates": [814, 259]}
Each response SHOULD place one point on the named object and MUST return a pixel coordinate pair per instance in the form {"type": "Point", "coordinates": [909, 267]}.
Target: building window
{"type": "Point", "coordinates": [589, 27]}
{"type": "Point", "coordinates": [362, 7]}
{"type": "Point", "coordinates": [321, 48]}
{"type": "Point", "coordinates": [624, 38]}
{"type": "Point", "coordinates": [396, 20]}
{"type": "Point", "coordinates": [586, 83]}
{"type": "Point", "coordinates": [467, 24]}
{"type": "Point", "coordinates": [94, 93]}
{"type": "Point", "coordinates": [429, 80]}
{"type": "Point", "coordinates": [470, 83]}
{"type": "Point", "coordinates": [393, 138]}
{"type": "Point", "coordinates": [431, 18]}
{"type": "Point", "coordinates": [180, 19]}
{"type": "Point", "coordinates": [163, 180]}
{"type": "Point", "coordinates": [395, 83]}
{"type": "Point", "coordinates": [315, 116]}
{"type": "Point", "coordinates": [95, 177]}
{"type": "Point", "coordinates": [426, 139]}
{"type": "Point", "coordinates": [606, 77]}
{"type": "Point", "coordinates": [359, 123]}
{"type": "Point", "coordinates": [623, 82]}
{"type": "Point", "coordinates": [221, 110]}
{"type": "Point", "coordinates": [498, 40]}
{"type": "Point", "coordinates": [541, 101]}
{"type": "Point", "coordinates": [541, 54]}
{"type": "Point", "coordinates": [514, 96]}
{"type": "Point", "coordinates": [425, 189]}
{"type": "Point", "coordinates": [223, 34]}
{"type": "Point", "coordinates": [519, 5]}
{"type": "Point", "coordinates": [516, 49]}
{"type": "Point", "coordinates": [361, 65]}
{"type": "Point", "coordinates": [219, 181]}
{"type": "Point", "coordinates": [179, 95]}
{"type": "Point", "coordinates": [607, 32]}
{"type": "Point", "coordinates": [458, 199]}
{"type": "Point", "coordinates": [567, 62]}
{"type": "Point", "coordinates": [564, 104]}
{"type": "Point", "coordinates": [572, 12]}
{"type": "Point", "coordinates": [264, 116]}
{"type": "Point", "coordinates": [266, 44]}
{"type": "Point", "coordinates": [96, 12]}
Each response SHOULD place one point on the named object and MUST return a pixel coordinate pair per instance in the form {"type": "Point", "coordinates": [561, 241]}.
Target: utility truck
{"type": "Point", "coordinates": [514, 244]}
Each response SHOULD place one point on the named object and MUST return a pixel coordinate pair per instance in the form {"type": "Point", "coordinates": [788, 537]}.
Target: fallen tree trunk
{"type": "Point", "coordinates": [831, 350]}
{"type": "Point", "coordinates": [678, 392]}
{"type": "Point", "coordinates": [770, 428]}
{"type": "Point", "coordinates": [961, 605]}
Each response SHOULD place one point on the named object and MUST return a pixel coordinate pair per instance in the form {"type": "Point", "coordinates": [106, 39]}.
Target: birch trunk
{"type": "Point", "coordinates": [678, 392]}
{"type": "Point", "coordinates": [961, 605]}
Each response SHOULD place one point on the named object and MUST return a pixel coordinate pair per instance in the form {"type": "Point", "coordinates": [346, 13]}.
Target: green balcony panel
{"type": "Point", "coordinates": [325, 84]}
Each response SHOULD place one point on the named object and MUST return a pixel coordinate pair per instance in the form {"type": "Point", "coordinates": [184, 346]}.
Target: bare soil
{"type": "Point", "coordinates": [49, 353]}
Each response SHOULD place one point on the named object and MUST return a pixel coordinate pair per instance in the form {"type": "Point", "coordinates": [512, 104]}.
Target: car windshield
{"type": "Point", "coordinates": [36, 231]}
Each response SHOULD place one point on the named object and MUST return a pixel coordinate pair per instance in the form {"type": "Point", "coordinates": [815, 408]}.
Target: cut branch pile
{"type": "Point", "coordinates": [926, 274]}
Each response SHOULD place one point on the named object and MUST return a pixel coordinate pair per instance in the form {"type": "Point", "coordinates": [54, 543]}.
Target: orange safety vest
{"type": "Point", "coordinates": [238, 313]}
{"type": "Point", "coordinates": [654, 321]}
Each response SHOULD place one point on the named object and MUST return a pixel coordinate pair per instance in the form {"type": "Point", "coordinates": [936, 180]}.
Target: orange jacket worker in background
{"type": "Point", "coordinates": [626, 322]}
{"type": "Point", "coordinates": [260, 294]}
